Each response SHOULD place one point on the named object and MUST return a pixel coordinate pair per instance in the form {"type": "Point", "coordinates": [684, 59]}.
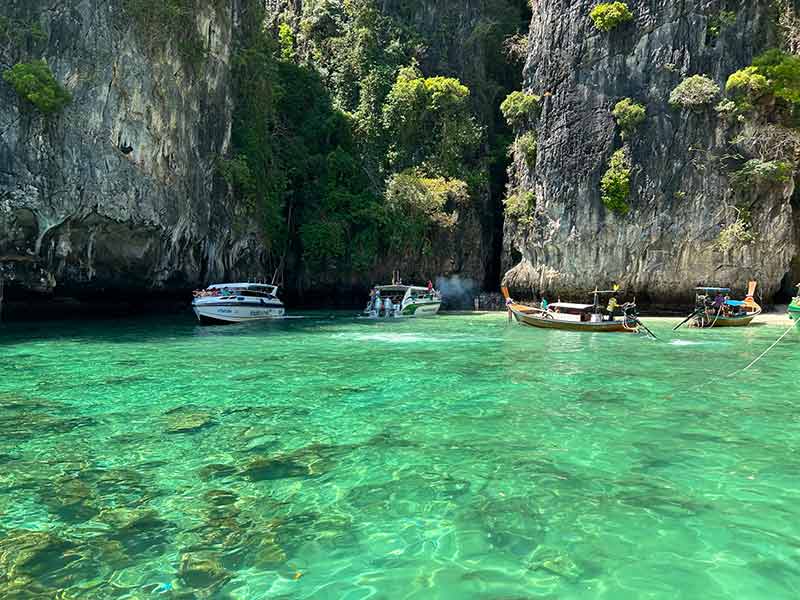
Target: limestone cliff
{"type": "Point", "coordinates": [119, 190]}
{"type": "Point", "coordinates": [682, 159]}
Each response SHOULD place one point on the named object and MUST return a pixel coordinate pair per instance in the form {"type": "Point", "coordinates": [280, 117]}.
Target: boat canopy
{"type": "Point", "coordinates": [256, 287]}
{"type": "Point", "coordinates": [712, 289]}
{"type": "Point", "coordinates": [570, 305]}
{"type": "Point", "coordinates": [392, 289]}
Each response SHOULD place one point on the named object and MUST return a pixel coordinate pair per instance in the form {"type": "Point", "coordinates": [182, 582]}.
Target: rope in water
{"type": "Point", "coordinates": [764, 353]}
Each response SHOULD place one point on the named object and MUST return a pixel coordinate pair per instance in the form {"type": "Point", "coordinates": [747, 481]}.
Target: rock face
{"type": "Point", "coordinates": [119, 190]}
{"type": "Point", "coordinates": [681, 191]}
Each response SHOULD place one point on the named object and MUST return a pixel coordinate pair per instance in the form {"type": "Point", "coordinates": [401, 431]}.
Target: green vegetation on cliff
{"type": "Point", "coordinates": [694, 92]}
{"type": "Point", "coordinates": [429, 124]}
{"type": "Point", "coordinates": [36, 85]}
{"type": "Point", "coordinates": [616, 183]}
{"type": "Point", "coordinates": [774, 73]}
{"type": "Point", "coordinates": [520, 206]}
{"type": "Point", "coordinates": [526, 145]}
{"type": "Point", "coordinates": [608, 15]}
{"type": "Point", "coordinates": [737, 233]}
{"type": "Point", "coordinates": [520, 108]}
{"type": "Point", "coordinates": [341, 146]}
{"type": "Point", "coordinates": [757, 171]}
{"type": "Point", "coordinates": [419, 206]}
{"type": "Point", "coordinates": [628, 115]}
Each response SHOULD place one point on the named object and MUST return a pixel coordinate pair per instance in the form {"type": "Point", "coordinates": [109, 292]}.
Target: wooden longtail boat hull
{"type": "Point", "coordinates": [526, 316]}
{"type": "Point", "coordinates": [742, 321]}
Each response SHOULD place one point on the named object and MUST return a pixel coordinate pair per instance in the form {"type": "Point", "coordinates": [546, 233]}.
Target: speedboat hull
{"type": "Point", "coordinates": [422, 309]}
{"type": "Point", "coordinates": [227, 312]}
{"type": "Point", "coordinates": [409, 311]}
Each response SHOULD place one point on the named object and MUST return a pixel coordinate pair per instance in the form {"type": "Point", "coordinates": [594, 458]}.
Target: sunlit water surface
{"type": "Point", "coordinates": [449, 458]}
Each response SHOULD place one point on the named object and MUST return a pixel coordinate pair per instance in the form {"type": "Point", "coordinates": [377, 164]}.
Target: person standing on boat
{"type": "Point", "coordinates": [544, 303]}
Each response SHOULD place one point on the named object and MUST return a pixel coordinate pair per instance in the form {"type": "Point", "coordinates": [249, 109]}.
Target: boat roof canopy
{"type": "Point", "coordinates": [712, 289]}
{"type": "Point", "coordinates": [400, 288]}
{"type": "Point", "coordinates": [570, 305]}
{"type": "Point", "coordinates": [243, 286]}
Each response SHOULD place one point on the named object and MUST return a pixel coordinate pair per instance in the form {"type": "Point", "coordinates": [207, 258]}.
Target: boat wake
{"type": "Point", "coordinates": [686, 343]}
{"type": "Point", "coordinates": [409, 338]}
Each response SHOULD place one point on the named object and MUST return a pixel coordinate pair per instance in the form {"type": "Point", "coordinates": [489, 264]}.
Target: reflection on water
{"type": "Point", "coordinates": [456, 457]}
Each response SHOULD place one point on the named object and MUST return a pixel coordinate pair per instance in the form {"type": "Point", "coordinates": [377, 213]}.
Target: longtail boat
{"type": "Point", "coordinates": [794, 308]}
{"type": "Point", "coordinates": [714, 308]}
{"type": "Point", "coordinates": [568, 316]}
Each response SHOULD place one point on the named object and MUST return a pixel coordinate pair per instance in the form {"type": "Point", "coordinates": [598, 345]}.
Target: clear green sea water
{"type": "Point", "coordinates": [449, 458]}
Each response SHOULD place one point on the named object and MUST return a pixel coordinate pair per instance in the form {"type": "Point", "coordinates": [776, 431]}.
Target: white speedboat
{"type": "Point", "coordinates": [237, 303]}
{"type": "Point", "coordinates": [403, 301]}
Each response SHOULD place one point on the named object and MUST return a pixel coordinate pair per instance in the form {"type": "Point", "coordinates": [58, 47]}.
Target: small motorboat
{"type": "Point", "coordinates": [569, 316]}
{"type": "Point", "coordinates": [715, 308]}
{"type": "Point", "coordinates": [398, 300]}
{"type": "Point", "coordinates": [224, 303]}
{"type": "Point", "coordinates": [794, 307]}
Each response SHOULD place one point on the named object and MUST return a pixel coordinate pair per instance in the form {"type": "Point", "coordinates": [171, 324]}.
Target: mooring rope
{"type": "Point", "coordinates": [719, 312]}
{"type": "Point", "coordinates": [764, 353]}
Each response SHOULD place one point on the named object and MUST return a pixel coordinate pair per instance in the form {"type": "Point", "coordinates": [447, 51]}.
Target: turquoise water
{"type": "Point", "coordinates": [449, 458]}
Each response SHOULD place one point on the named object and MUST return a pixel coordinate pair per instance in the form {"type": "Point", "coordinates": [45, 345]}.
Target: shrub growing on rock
{"type": "Point", "coordinates": [725, 107]}
{"type": "Point", "coordinates": [747, 81]}
{"type": "Point", "coordinates": [520, 206]}
{"type": "Point", "coordinates": [608, 15]}
{"type": "Point", "coordinates": [616, 183]}
{"type": "Point", "coordinates": [783, 72]}
{"type": "Point", "coordinates": [520, 107]}
{"type": "Point", "coordinates": [736, 234]}
{"type": "Point", "coordinates": [526, 145]}
{"type": "Point", "coordinates": [35, 84]}
{"type": "Point", "coordinates": [628, 115]}
{"type": "Point", "coordinates": [694, 92]}
{"type": "Point", "coordinates": [757, 171]}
